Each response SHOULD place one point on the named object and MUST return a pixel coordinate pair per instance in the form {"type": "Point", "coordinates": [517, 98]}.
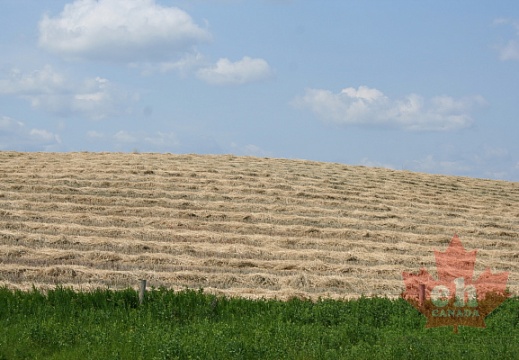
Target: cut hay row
{"type": "Point", "coordinates": [241, 225]}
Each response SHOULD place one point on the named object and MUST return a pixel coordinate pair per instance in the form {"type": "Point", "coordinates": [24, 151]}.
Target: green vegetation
{"type": "Point", "coordinates": [106, 324]}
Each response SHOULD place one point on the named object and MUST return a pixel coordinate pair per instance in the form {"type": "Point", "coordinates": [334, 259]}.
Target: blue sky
{"type": "Point", "coordinates": [429, 86]}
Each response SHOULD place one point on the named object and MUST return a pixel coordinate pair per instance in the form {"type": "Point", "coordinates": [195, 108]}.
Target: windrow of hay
{"type": "Point", "coordinates": [241, 226]}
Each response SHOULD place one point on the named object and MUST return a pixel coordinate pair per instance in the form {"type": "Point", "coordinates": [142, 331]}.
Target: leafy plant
{"type": "Point", "coordinates": [189, 324]}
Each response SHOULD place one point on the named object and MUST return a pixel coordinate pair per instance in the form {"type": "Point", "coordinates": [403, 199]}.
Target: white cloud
{"type": "Point", "coordinates": [44, 81]}
{"type": "Point", "coordinates": [125, 137]}
{"type": "Point", "coordinates": [15, 135]}
{"type": "Point", "coordinates": [46, 89]}
{"type": "Point", "coordinates": [499, 175]}
{"type": "Point", "coordinates": [486, 160]}
{"type": "Point", "coordinates": [494, 153]}
{"type": "Point", "coordinates": [225, 72]}
{"type": "Point", "coordinates": [183, 66]}
{"type": "Point", "coordinates": [120, 30]}
{"type": "Point", "coordinates": [369, 106]}
{"type": "Point", "coordinates": [161, 139]}
{"type": "Point", "coordinates": [44, 135]}
{"type": "Point", "coordinates": [249, 150]}
{"type": "Point", "coordinates": [509, 50]}
{"type": "Point", "coordinates": [430, 164]}
{"type": "Point", "coordinates": [142, 141]}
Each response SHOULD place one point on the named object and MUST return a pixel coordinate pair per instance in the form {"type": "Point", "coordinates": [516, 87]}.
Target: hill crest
{"type": "Point", "coordinates": [246, 226]}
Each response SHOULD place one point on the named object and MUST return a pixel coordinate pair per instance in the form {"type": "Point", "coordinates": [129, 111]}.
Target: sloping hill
{"type": "Point", "coordinates": [241, 225]}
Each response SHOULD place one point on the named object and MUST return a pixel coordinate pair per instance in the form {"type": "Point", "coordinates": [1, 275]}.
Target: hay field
{"type": "Point", "coordinates": [244, 226]}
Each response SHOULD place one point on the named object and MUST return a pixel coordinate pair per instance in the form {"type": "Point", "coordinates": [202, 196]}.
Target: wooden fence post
{"type": "Point", "coordinates": [142, 290]}
{"type": "Point", "coordinates": [421, 294]}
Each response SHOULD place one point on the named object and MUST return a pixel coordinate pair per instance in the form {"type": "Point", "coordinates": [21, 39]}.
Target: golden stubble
{"type": "Point", "coordinates": [241, 226]}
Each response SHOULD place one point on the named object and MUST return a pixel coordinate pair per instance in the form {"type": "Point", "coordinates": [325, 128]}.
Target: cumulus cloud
{"type": "Point", "coordinates": [120, 30]}
{"type": "Point", "coordinates": [125, 137]}
{"type": "Point", "coordinates": [46, 89]}
{"type": "Point", "coordinates": [493, 152]}
{"type": "Point", "coordinates": [249, 150]}
{"type": "Point", "coordinates": [509, 50]}
{"type": "Point", "coordinates": [15, 135]}
{"type": "Point", "coordinates": [432, 165]}
{"type": "Point", "coordinates": [183, 66]}
{"type": "Point", "coordinates": [369, 106]}
{"type": "Point", "coordinates": [485, 160]}
{"type": "Point", "coordinates": [140, 140]}
{"type": "Point", "coordinates": [225, 72]}
{"type": "Point", "coordinates": [44, 81]}
{"type": "Point", "coordinates": [162, 139]}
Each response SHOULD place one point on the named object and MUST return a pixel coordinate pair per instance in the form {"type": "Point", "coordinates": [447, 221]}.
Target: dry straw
{"type": "Point", "coordinates": [241, 226]}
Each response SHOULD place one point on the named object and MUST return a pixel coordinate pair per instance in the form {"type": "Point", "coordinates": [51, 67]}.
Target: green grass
{"type": "Point", "coordinates": [105, 324]}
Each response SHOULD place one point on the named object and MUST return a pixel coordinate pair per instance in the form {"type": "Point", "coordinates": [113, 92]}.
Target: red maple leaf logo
{"type": "Point", "coordinates": [455, 299]}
